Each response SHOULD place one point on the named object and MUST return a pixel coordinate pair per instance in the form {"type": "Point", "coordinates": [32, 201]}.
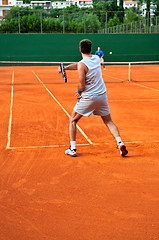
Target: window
{"type": "Point", "coordinates": [4, 13]}
{"type": "Point", "coordinates": [4, 2]}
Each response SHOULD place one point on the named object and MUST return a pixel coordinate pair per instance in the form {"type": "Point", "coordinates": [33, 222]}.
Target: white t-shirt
{"type": "Point", "coordinates": [94, 83]}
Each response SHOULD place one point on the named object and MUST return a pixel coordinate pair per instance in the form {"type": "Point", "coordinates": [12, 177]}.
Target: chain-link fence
{"type": "Point", "coordinates": [150, 25]}
{"type": "Point", "coordinates": [82, 21]}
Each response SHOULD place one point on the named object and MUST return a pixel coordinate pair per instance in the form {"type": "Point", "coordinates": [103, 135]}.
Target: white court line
{"type": "Point", "coordinates": [83, 144]}
{"type": "Point", "coordinates": [154, 89]}
{"type": "Point", "coordinates": [56, 146]}
{"type": "Point", "coordinates": [134, 100]}
{"type": "Point", "coordinates": [86, 137]}
{"type": "Point", "coordinates": [154, 141]}
{"type": "Point", "coordinates": [11, 113]}
{"type": "Point", "coordinates": [49, 146]}
{"type": "Point", "coordinates": [114, 77]}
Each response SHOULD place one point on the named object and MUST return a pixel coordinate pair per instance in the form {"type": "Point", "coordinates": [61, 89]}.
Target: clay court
{"type": "Point", "coordinates": [96, 196]}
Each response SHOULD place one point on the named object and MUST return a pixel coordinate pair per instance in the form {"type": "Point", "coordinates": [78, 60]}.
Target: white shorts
{"type": "Point", "coordinates": [101, 60]}
{"type": "Point", "coordinates": [96, 104]}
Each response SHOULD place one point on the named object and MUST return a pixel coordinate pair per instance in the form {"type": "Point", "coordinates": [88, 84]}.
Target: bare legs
{"type": "Point", "coordinates": [111, 126]}
{"type": "Point", "coordinates": [106, 119]}
{"type": "Point", "coordinates": [72, 125]}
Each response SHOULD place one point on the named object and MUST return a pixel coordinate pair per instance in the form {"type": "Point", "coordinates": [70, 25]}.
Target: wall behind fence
{"type": "Point", "coordinates": [65, 47]}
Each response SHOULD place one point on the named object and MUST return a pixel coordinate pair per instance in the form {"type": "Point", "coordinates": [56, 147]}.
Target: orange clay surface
{"type": "Point", "coordinates": [96, 196]}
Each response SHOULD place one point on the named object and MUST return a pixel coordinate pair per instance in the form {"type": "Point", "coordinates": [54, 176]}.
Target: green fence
{"type": "Point", "coordinates": [65, 47]}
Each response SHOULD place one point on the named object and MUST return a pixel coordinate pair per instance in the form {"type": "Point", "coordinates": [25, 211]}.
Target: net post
{"type": "Point", "coordinates": [129, 72]}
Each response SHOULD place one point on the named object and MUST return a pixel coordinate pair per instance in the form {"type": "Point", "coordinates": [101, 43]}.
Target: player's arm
{"type": "Point", "coordinates": [73, 66]}
{"type": "Point", "coordinates": [82, 70]}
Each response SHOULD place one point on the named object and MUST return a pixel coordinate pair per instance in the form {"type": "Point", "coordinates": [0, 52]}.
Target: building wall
{"type": "Point", "coordinates": [5, 6]}
{"type": "Point", "coordinates": [65, 47]}
{"type": "Point", "coordinates": [60, 4]}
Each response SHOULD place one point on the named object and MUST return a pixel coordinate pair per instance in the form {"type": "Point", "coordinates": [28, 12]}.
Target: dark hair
{"type": "Point", "coordinates": [85, 46]}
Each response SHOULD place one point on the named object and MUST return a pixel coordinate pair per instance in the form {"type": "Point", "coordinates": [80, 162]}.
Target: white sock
{"type": "Point", "coordinates": [119, 141]}
{"type": "Point", "coordinates": [73, 145]}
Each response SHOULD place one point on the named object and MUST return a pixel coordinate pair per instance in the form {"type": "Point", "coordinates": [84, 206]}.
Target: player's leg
{"type": "Point", "coordinates": [115, 133]}
{"type": "Point", "coordinates": [102, 62]}
{"type": "Point", "coordinates": [72, 133]}
{"type": "Point", "coordinates": [72, 125]}
{"type": "Point", "coordinates": [111, 126]}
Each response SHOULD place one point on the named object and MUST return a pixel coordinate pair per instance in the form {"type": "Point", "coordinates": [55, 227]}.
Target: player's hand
{"type": "Point", "coordinates": [59, 70]}
{"type": "Point", "coordinates": [77, 94]}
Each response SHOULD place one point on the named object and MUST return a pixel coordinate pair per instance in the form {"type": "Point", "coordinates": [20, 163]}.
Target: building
{"type": "Point", "coordinates": [19, 3]}
{"type": "Point", "coordinates": [5, 6]}
{"type": "Point", "coordinates": [153, 6]}
{"type": "Point", "coordinates": [83, 3]}
{"type": "Point", "coordinates": [46, 5]}
{"type": "Point", "coordinates": [128, 4]}
{"type": "Point", "coordinates": [68, 3]}
{"type": "Point", "coordinates": [61, 4]}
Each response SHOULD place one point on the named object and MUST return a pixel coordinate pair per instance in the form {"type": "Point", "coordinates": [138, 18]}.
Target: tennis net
{"type": "Point", "coordinates": [146, 71]}
{"type": "Point", "coordinates": [116, 72]}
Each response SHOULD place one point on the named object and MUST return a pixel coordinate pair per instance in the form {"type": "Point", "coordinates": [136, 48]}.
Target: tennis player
{"type": "Point", "coordinates": [91, 95]}
{"type": "Point", "coordinates": [100, 54]}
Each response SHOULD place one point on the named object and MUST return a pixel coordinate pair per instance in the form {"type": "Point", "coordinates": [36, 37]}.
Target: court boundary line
{"type": "Point", "coordinates": [82, 144]}
{"type": "Point", "coordinates": [63, 145]}
{"type": "Point", "coordinates": [11, 114]}
{"type": "Point", "coordinates": [115, 78]}
{"type": "Point", "coordinates": [81, 131]}
{"type": "Point", "coordinates": [154, 89]}
{"type": "Point", "coordinates": [134, 100]}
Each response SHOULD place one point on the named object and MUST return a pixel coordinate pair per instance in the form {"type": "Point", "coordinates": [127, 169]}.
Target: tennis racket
{"type": "Point", "coordinates": [62, 70]}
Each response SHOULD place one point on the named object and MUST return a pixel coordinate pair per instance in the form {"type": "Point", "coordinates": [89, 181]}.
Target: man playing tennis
{"type": "Point", "coordinates": [92, 96]}
{"type": "Point", "coordinates": [100, 54]}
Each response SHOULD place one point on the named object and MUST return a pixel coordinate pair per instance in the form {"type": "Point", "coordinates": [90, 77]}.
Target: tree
{"type": "Point", "coordinates": [132, 16]}
{"type": "Point", "coordinates": [71, 19]}
{"type": "Point", "coordinates": [148, 9]}
{"type": "Point", "coordinates": [9, 26]}
{"type": "Point", "coordinates": [113, 21]}
{"type": "Point", "coordinates": [92, 23]}
{"type": "Point", "coordinates": [157, 9]}
{"type": "Point", "coordinates": [121, 4]}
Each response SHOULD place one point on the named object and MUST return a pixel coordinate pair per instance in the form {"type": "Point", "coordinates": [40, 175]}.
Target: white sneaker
{"type": "Point", "coordinates": [70, 152]}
